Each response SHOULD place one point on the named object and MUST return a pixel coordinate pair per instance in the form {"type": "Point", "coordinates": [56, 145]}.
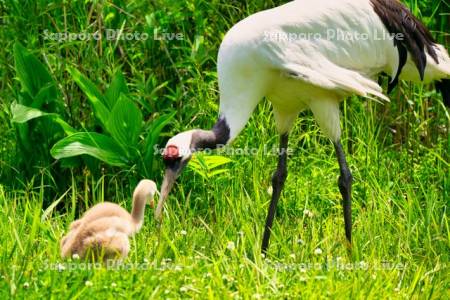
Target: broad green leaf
{"type": "Point", "coordinates": [118, 86]}
{"type": "Point", "coordinates": [214, 161]}
{"type": "Point", "coordinates": [207, 166]}
{"type": "Point", "coordinates": [210, 161]}
{"type": "Point", "coordinates": [197, 162]}
{"type": "Point", "coordinates": [93, 144]}
{"type": "Point", "coordinates": [22, 114]}
{"type": "Point", "coordinates": [69, 130]}
{"type": "Point", "coordinates": [217, 172]}
{"type": "Point", "coordinates": [198, 166]}
{"type": "Point", "coordinates": [32, 74]}
{"type": "Point", "coordinates": [152, 138]}
{"type": "Point", "coordinates": [94, 96]}
{"type": "Point", "coordinates": [45, 95]}
{"type": "Point", "coordinates": [125, 122]}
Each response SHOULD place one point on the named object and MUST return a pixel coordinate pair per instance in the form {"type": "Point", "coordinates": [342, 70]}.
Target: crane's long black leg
{"type": "Point", "coordinates": [345, 186]}
{"type": "Point", "coordinates": [278, 179]}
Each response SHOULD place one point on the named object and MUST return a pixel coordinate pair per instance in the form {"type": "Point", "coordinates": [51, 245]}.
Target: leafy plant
{"type": "Point", "coordinates": [209, 166]}
{"type": "Point", "coordinates": [120, 144]}
{"type": "Point", "coordinates": [35, 135]}
{"type": "Point", "coordinates": [22, 114]}
{"type": "Point", "coordinates": [39, 117]}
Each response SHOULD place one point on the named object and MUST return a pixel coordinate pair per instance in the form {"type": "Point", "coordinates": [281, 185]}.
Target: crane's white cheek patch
{"type": "Point", "coordinates": [182, 142]}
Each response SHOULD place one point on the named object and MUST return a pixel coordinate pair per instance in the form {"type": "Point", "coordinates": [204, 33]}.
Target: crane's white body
{"type": "Point", "coordinates": [310, 55]}
{"type": "Point", "coordinates": [289, 55]}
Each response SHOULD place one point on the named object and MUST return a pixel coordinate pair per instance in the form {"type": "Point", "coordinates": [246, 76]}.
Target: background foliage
{"type": "Point", "coordinates": [164, 76]}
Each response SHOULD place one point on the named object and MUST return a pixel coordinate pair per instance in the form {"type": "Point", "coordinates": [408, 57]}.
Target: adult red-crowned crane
{"type": "Point", "coordinates": [310, 55]}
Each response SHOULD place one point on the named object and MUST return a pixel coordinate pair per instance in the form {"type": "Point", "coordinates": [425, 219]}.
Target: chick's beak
{"type": "Point", "coordinates": [151, 203]}
{"type": "Point", "coordinates": [151, 200]}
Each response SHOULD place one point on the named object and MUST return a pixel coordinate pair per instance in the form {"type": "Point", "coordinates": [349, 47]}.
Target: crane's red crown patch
{"type": "Point", "coordinates": [171, 152]}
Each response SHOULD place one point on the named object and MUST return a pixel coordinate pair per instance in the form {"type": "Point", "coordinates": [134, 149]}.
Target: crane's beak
{"type": "Point", "coordinates": [170, 177]}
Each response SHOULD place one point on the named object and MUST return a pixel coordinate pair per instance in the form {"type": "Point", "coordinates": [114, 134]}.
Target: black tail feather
{"type": "Point", "coordinates": [398, 19]}
{"type": "Point", "coordinates": [443, 86]}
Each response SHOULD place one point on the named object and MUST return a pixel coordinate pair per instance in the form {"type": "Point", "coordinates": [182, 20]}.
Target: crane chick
{"type": "Point", "coordinates": [104, 229]}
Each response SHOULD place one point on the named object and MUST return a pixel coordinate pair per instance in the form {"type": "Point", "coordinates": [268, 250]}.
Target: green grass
{"type": "Point", "coordinates": [398, 153]}
{"type": "Point", "coordinates": [401, 229]}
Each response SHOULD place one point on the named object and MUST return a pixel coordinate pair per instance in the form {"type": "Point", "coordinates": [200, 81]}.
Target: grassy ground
{"type": "Point", "coordinates": [209, 244]}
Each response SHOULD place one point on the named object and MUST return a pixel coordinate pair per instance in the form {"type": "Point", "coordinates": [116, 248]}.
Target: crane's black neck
{"type": "Point", "coordinates": [211, 139]}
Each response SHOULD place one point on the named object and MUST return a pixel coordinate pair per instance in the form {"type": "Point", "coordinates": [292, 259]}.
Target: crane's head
{"type": "Point", "coordinates": [176, 155]}
{"type": "Point", "coordinates": [178, 152]}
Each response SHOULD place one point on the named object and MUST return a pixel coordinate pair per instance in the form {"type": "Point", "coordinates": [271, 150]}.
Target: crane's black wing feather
{"type": "Point", "coordinates": [416, 37]}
